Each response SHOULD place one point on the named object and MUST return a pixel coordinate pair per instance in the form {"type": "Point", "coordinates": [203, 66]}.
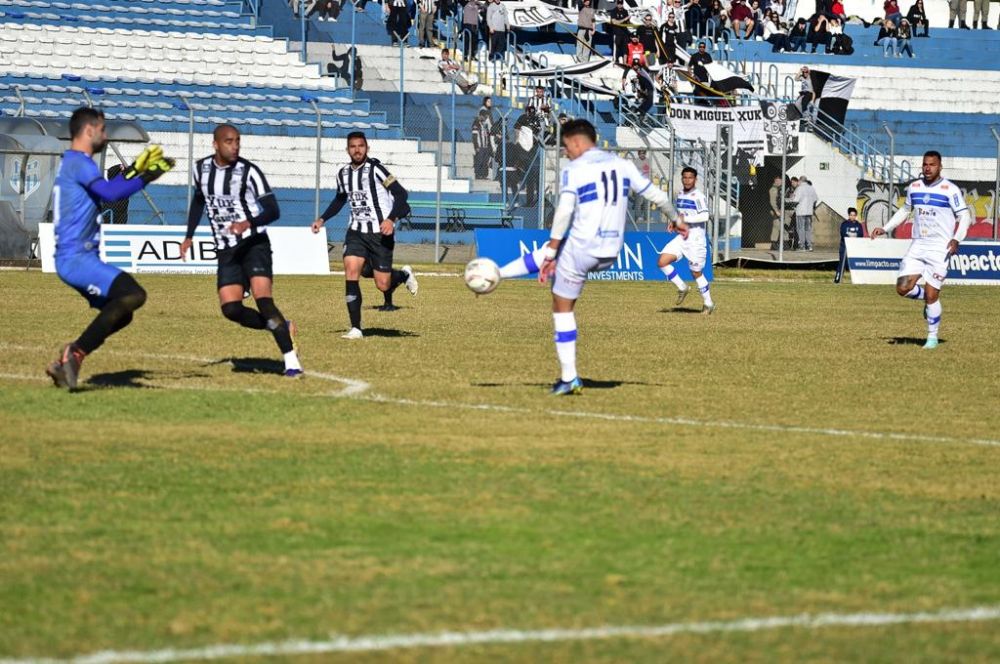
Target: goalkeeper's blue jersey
{"type": "Point", "coordinates": [75, 209]}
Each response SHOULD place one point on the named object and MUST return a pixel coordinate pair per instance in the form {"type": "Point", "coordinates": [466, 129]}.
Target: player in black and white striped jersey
{"type": "Point", "coordinates": [234, 193]}
{"type": "Point", "coordinates": [377, 201]}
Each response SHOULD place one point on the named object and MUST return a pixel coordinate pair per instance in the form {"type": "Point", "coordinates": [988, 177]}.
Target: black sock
{"type": "Point", "coordinates": [398, 277]}
{"type": "Point", "coordinates": [124, 297]}
{"type": "Point", "coordinates": [353, 299]}
{"type": "Point", "coordinates": [276, 323]}
{"type": "Point", "coordinates": [236, 312]}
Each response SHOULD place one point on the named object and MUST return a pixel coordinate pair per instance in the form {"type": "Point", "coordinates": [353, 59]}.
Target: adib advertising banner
{"type": "Point", "coordinates": [149, 248]}
{"type": "Point", "coordinates": [877, 262]}
{"type": "Point", "coordinates": [636, 260]}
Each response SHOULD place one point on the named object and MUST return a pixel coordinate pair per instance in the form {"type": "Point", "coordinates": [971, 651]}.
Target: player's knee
{"type": "Point", "coordinates": [135, 299]}
{"type": "Point", "coordinates": [902, 289]}
{"type": "Point", "coordinates": [233, 311]}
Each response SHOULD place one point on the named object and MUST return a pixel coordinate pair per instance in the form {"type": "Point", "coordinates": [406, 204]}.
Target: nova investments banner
{"type": "Point", "coordinates": [636, 261]}
{"type": "Point", "coordinates": [877, 262]}
{"type": "Point", "coordinates": [142, 248]}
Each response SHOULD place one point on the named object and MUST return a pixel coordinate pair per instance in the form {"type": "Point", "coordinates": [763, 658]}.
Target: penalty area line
{"type": "Point", "coordinates": [452, 639]}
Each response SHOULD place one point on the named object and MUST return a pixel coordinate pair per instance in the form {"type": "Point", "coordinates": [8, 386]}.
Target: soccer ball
{"type": "Point", "coordinates": [482, 276]}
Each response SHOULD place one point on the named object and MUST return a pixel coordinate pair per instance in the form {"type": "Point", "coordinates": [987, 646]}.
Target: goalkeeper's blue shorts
{"type": "Point", "coordinates": [90, 276]}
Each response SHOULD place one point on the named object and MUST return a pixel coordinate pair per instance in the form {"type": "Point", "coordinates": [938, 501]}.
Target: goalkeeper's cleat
{"type": "Point", "coordinates": [65, 371]}
{"type": "Point", "coordinates": [149, 156]}
{"type": "Point", "coordinates": [294, 373]}
{"type": "Point", "coordinates": [562, 387]}
{"type": "Point", "coordinates": [411, 280]}
{"type": "Point", "coordinates": [157, 169]}
{"type": "Point", "coordinates": [931, 343]}
{"type": "Point", "coordinates": [681, 294]}
{"type": "Point", "coordinates": [708, 309]}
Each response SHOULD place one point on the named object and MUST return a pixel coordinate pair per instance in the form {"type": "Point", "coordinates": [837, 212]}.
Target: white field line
{"type": "Point", "coordinates": [345, 644]}
{"type": "Point", "coordinates": [358, 389]}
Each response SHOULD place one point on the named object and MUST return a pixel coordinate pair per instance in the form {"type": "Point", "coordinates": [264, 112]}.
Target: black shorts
{"type": "Point", "coordinates": [251, 258]}
{"type": "Point", "coordinates": [375, 248]}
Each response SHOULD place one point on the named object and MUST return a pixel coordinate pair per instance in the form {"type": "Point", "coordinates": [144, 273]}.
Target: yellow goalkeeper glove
{"type": "Point", "coordinates": [157, 169]}
{"type": "Point", "coordinates": [149, 156]}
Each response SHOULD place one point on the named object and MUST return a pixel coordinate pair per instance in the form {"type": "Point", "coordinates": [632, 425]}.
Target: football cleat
{"type": "Point", "coordinates": [708, 309]}
{"type": "Point", "coordinates": [681, 294]}
{"type": "Point", "coordinates": [353, 333]}
{"type": "Point", "coordinates": [65, 371]}
{"type": "Point", "coordinates": [931, 343]}
{"type": "Point", "coordinates": [562, 387]}
{"type": "Point", "coordinates": [411, 280]}
{"type": "Point", "coordinates": [293, 373]}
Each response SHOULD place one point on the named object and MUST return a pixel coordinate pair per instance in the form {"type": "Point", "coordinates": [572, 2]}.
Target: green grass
{"type": "Point", "coordinates": [175, 503]}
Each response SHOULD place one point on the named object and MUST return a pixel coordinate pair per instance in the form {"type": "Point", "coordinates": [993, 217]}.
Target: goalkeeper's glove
{"type": "Point", "coordinates": [156, 169]}
{"type": "Point", "coordinates": [149, 156]}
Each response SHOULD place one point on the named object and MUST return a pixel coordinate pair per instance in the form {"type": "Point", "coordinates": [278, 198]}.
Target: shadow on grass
{"type": "Point", "coordinates": [679, 310]}
{"type": "Point", "coordinates": [588, 383]}
{"type": "Point", "coordinates": [386, 332]}
{"type": "Point", "coordinates": [908, 341]}
{"type": "Point", "coordinates": [126, 378]}
{"type": "Point", "coordinates": [256, 365]}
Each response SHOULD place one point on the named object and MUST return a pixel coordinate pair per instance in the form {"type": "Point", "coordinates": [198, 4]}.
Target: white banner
{"type": "Point", "coordinates": [694, 122]}
{"type": "Point", "coordinates": [877, 262]}
{"type": "Point", "coordinates": [534, 14]}
{"type": "Point", "coordinates": [142, 248]}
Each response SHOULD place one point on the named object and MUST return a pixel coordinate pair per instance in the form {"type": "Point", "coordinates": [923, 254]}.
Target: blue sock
{"type": "Point", "coordinates": [526, 264]}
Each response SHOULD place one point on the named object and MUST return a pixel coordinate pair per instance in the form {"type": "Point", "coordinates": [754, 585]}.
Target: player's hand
{"type": "Point", "coordinates": [318, 225]}
{"type": "Point", "coordinates": [386, 227]}
{"type": "Point", "coordinates": [239, 227]}
{"type": "Point", "coordinates": [157, 169]}
{"type": "Point", "coordinates": [952, 247]}
{"type": "Point", "coordinates": [546, 270]}
{"type": "Point", "coordinates": [185, 248]}
{"type": "Point", "coordinates": [877, 232]}
{"type": "Point", "coordinates": [149, 156]}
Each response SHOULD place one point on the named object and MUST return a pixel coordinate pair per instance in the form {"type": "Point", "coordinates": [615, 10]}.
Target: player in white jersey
{"type": "Point", "coordinates": [593, 203]}
{"type": "Point", "coordinates": [936, 204]}
{"type": "Point", "coordinates": [693, 209]}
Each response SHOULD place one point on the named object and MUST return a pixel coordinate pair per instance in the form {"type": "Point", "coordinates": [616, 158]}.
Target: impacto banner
{"type": "Point", "coordinates": [877, 262]}
{"type": "Point", "coordinates": [636, 261]}
{"type": "Point", "coordinates": [693, 122]}
{"type": "Point", "coordinates": [139, 248]}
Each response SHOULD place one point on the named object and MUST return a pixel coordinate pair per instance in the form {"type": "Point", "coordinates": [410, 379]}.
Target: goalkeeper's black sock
{"type": "Point", "coordinates": [124, 297]}
{"type": "Point", "coordinates": [353, 299]}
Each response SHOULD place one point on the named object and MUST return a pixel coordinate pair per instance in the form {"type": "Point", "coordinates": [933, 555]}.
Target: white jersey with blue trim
{"type": "Point", "coordinates": [935, 208]}
{"type": "Point", "coordinates": [693, 205]}
{"type": "Point", "coordinates": [601, 183]}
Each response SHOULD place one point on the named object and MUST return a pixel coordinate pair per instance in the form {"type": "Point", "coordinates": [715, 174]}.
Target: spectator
{"type": "Point", "coordinates": [805, 200]}
{"type": "Point", "coordinates": [892, 12]}
{"type": "Point", "coordinates": [638, 84]}
{"type": "Point", "coordinates": [758, 18]}
{"type": "Point", "coordinates": [849, 228]}
{"type": "Point", "coordinates": [806, 94]}
{"type": "Point", "coordinates": [792, 238]}
{"type": "Point", "coordinates": [774, 198]}
{"type": "Point", "coordinates": [635, 50]}
{"type": "Point", "coordinates": [905, 34]}
{"type": "Point", "coordinates": [797, 36]}
{"type": "Point", "coordinates": [541, 103]}
{"type": "Point", "coordinates": [741, 18]}
{"type": "Point", "coordinates": [888, 39]}
{"type": "Point", "coordinates": [618, 21]}
{"type": "Point", "coordinates": [425, 22]}
{"type": "Point", "coordinates": [647, 37]}
{"type": "Point", "coordinates": [837, 11]}
{"type": "Point", "coordinates": [918, 19]}
{"type": "Point", "coordinates": [775, 34]}
{"type": "Point", "coordinates": [697, 62]}
{"type": "Point", "coordinates": [482, 142]}
{"type": "Point", "coordinates": [499, 24]}
{"type": "Point", "coordinates": [673, 35]}
{"type": "Point", "coordinates": [470, 28]}
{"type": "Point", "coordinates": [843, 44]}
{"type": "Point", "coordinates": [819, 33]}
{"type": "Point", "coordinates": [695, 17]}
{"type": "Point", "coordinates": [715, 21]}
{"type": "Point", "coordinates": [398, 24]}
{"type": "Point", "coordinates": [980, 14]}
{"type": "Point", "coordinates": [452, 71]}
{"type": "Point", "coordinates": [956, 12]}
{"type": "Point", "coordinates": [530, 119]}
{"type": "Point", "coordinates": [584, 32]}
{"type": "Point", "coordinates": [777, 7]}
{"type": "Point", "coordinates": [522, 155]}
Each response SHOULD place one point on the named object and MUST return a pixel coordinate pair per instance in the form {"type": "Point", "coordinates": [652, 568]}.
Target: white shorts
{"type": "Point", "coordinates": [693, 248]}
{"type": "Point", "coordinates": [572, 267]}
{"type": "Point", "coordinates": [927, 261]}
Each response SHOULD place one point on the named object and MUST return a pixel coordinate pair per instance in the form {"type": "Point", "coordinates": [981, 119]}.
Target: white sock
{"type": "Point", "coordinates": [703, 287]}
{"type": "Point", "coordinates": [933, 318]}
{"type": "Point", "coordinates": [292, 360]}
{"type": "Point", "coordinates": [526, 264]}
{"type": "Point", "coordinates": [565, 339]}
{"type": "Point", "coordinates": [670, 273]}
{"type": "Point", "coordinates": [916, 293]}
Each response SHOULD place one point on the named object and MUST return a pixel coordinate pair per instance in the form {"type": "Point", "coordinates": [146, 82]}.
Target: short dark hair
{"type": "Point", "coordinates": [577, 127]}
{"type": "Point", "coordinates": [850, 210]}
{"type": "Point", "coordinates": [688, 169]}
{"type": "Point", "coordinates": [218, 130]}
{"type": "Point", "coordinates": [83, 117]}
{"type": "Point", "coordinates": [357, 134]}
{"type": "Point", "coordinates": [933, 153]}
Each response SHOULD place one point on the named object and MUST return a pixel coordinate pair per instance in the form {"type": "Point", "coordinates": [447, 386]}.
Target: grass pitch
{"type": "Point", "coordinates": [795, 452]}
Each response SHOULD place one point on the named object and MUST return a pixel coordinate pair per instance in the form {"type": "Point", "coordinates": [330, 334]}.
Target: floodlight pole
{"type": "Point", "coordinates": [437, 198]}
{"type": "Point", "coordinates": [891, 188]}
{"type": "Point", "coordinates": [784, 193]}
{"type": "Point", "coordinates": [190, 178]}
{"type": "Point", "coordinates": [319, 149]}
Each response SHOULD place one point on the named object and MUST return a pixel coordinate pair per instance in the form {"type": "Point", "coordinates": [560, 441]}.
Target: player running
{"type": "Point", "coordinates": [240, 204]}
{"type": "Point", "coordinates": [78, 190]}
{"type": "Point", "coordinates": [693, 208]}
{"type": "Point", "coordinates": [936, 204]}
{"type": "Point", "coordinates": [592, 207]}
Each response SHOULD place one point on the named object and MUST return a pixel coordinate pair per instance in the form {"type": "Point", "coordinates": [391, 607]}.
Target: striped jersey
{"type": "Point", "coordinates": [367, 191]}
{"type": "Point", "coordinates": [693, 205]}
{"type": "Point", "coordinates": [232, 193]}
{"type": "Point", "coordinates": [935, 208]}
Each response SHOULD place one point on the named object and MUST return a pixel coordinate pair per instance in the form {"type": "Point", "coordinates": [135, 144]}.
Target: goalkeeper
{"type": "Point", "coordinates": [79, 188]}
